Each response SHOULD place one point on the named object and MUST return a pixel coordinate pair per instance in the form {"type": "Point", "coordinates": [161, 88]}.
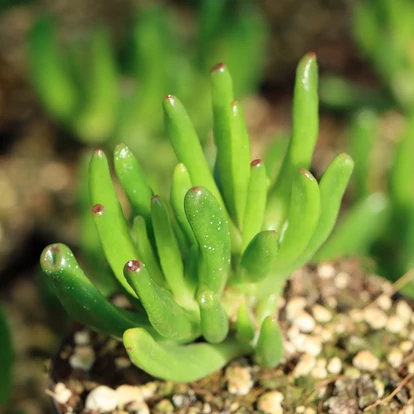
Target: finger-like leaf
{"type": "Point", "coordinates": [259, 257]}
{"type": "Point", "coordinates": [109, 219]}
{"type": "Point", "coordinates": [180, 363]}
{"type": "Point", "coordinates": [256, 202]}
{"type": "Point", "coordinates": [181, 183]}
{"type": "Point", "coordinates": [169, 252]}
{"type": "Point", "coordinates": [304, 134]}
{"type": "Point", "coordinates": [133, 181]}
{"type": "Point", "coordinates": [213, 318]}
{"type": "Point", "coordinates": [146, 252]}
{"type": "Point", "coordinates": [166, 316]}
{"type": "Point", "coordinates": [244, 325]}
{"type": "Point", "coordinates": [210, 228]}
{"type": "Point", "coordinates": [269, 347]}
{"type": "Point", "coordinates": [81, 299]}
{"type": "Point", "coordinates": [302, 220]}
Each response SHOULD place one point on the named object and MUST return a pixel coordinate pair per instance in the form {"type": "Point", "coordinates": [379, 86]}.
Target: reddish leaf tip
{"type": "Point", "coordinates": [256, 163]}
{"type": "Point", "coordinates": [305, 172]}
{"type": "Point", "coordinates": [134, 265]}
{"type": "Point", "coordinates": [170, 98]}
{"type": "Point", "coordinates": [98, 209]}
{"type": "Point", "coordinates": [312, 54]}
{"type": "Point", "coordinates": [99, 152]}
{"type": "Point", "coordinates": [155, 198]}
{"type": "Point", "coordinates": [220, 67]}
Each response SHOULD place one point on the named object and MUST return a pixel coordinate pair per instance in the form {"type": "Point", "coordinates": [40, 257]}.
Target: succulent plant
{"type": "Point", "coordinates": [205, 271]}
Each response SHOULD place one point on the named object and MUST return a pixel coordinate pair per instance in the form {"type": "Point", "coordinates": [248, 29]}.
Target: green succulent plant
{"type": "Point", "coordinates": [205, 270]}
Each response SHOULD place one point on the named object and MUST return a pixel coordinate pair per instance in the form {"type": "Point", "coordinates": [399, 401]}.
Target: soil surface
{"type": "Point", "coordinates": [349, 348]}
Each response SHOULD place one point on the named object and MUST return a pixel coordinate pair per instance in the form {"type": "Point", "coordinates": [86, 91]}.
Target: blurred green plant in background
{"type": "Point", "coordinates": [106, 98]}
{"type": "Point", "coordinates": [216, 267]}
{"type": "Point", "coordinates": [6, 360]}
{"type": "Point", "coordinates": [379, 223]}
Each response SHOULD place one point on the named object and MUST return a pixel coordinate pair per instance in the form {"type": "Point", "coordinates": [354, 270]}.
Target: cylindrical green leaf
{"type": "Point", "coordinates": [181, 183]}
{"type": "Point", "coordinates": [210, 228]}
{"type": "Point", "coordinates": [169, 252]}
{"type": "Point", "coordinates": [304, 134]}
{"type": "Point", "coordinates": [214, 322]}
{"type": "Point", "coordinates": [269, 347]}
{"type": "Point", "coordinates": [165, 315]}
{"type": "Point", "coordinates": [259, 257]}
{"type": "Point", "coordinates": [113, 230]}
{"type": "Point", "coordinates": [81, 299]}
{"type": "Point", "coordinates": [244, 324]}
{"type": "Point", "coordinates": [256, 202]}
{"type": "Point", "coordinates": [146, 252]}
{"type": "Point", "coordinates": [302, 220]}
{"type": "Point", "coordinates": [133, 181]}
{"type": "Point", "coordinates": [180, 363]}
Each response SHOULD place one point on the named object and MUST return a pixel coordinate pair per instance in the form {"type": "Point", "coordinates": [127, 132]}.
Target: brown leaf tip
{"type": "Point", "coordinates": [155, 198]}
{"type": "Point", "coordinates": [134, 265]}
{"type": "Point", "coordinates": [256, 163]}
{"type": "Point", "coordinates": [220, 67]}
{"type": "Point", "coordinates": [312, 55]}
{"type": "Point", "coordinates": [129, 348]}
{"type": "Point", "coordinates": [98, 209]}
{"type": "Point", "coordinates": [305, 172]}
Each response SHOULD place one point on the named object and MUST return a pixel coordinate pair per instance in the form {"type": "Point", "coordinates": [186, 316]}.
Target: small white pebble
{"type": "Point", "coordinates": [148, 390]}
{"type": "Point", "coordinates": [334, 365]}
{"type": "Point", "coordinates": [299, 342]}
{"type": "Point", "coordinates": [127, 394]}
{"type": "Point", "coordinates": [384, 302]}
{"type": "Point", "coordinates": [406, 346]}
{"type": "Point", "coordinates": [269, 402]}
{"type": "Point", "coordinates": [379, 387]}
{"type": "Point", "coordinates": [319, 373]}
{"type": "Point", "coordinates": [300, 409]}
{"type": "Point", "coordinates": [138, 407]}
{"type": "Point", "coordinates": [403, 311]}
{"type": "Point", "coordinates": [408, 410]}
{"type": "Point", "coordinates": [82, 338]}
{"type": "Point", "coordinates": [82, 358]}
{"type": "Point", "coordinates": [304, 322]}
{"type": "Point", "coordinates": [395, 324]}
{"type": "Point", "coordinates": [321, 314]}
{"type": "Point", "coordinates": [289, 349]}
{"type": "Point", "coordinates": [310, 410]}
{"type": "Point", "coordinates": [313, 345]}
{"type": "Point", "coordinates": [61, 393]}
{"type": "Point", "coordinates": [375, 317]}
{"type": "Point", "coordinates": [294, 306]}
{"type": "Point", "coordinates": [342, 280]}
{"type": "Point", "coordinates": [410, 368]}
{"type": "Point", "coordinates": [356, 315]}
{"type": "Point", "coordinates": [327, 334]}
{"type": "Point", "coordinates": [352, 373]}
{"type": "Point", "coordinates": [122, 362]}
{"type": "Point", "coordinates": [365, 361]}
{"type": "Point", "coordinates": [239, 380]}
{"type": "Point", "coordinates": [305, 365]}
{"type": "Point", "coordinates": [395, 358]}
{"type": "Point", "coordinates": [102, 399]}
{"type": "Point", "coordinates": [326, 271]}
{"type": "Point", "coordinates": [332, 302]}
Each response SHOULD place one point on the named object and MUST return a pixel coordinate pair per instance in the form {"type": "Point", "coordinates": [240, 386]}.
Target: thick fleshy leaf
{"type": "Point", "coordinates": [210, 228]}
{"type": "Point", "coordinates": [269, 347]}
{"type": "Point", "coordinates": [332, 188]}
{"type": "Point", "coordinates": [169, 252]}
{"type": "Point", "coordinates": [181, 183]}
{"type": "Point", "coordinates": [305, 124]}
{"type": "Point", "coordinates": [255, 203]}
{"type": "Point", "coordinates": [146, 251]}
{"type": "Point", "coordinates": [259, 257]}
{"type": "Point", "coordinates": [244, 324]}
{"type": "Point", "coordinates": [180, 363]}
{"type": "Point", "coordinates": [165, 315]}
{"type": "Point", "coordinates": [133, 181]}
{"type": "Point", "coordinates": [213, 318]}
{"type": "Point", "coordinates": [302, 220]}
{"type": "Point", "coordinates": [107, 212]}
{"type": "Point", "coordinates": [81, 299]}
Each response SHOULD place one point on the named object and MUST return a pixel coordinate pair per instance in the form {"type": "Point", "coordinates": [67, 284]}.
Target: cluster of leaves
{"type": "Point", "coordinates": [100, 96]}
{"type": "Point", "coordinates": [205, 271]}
